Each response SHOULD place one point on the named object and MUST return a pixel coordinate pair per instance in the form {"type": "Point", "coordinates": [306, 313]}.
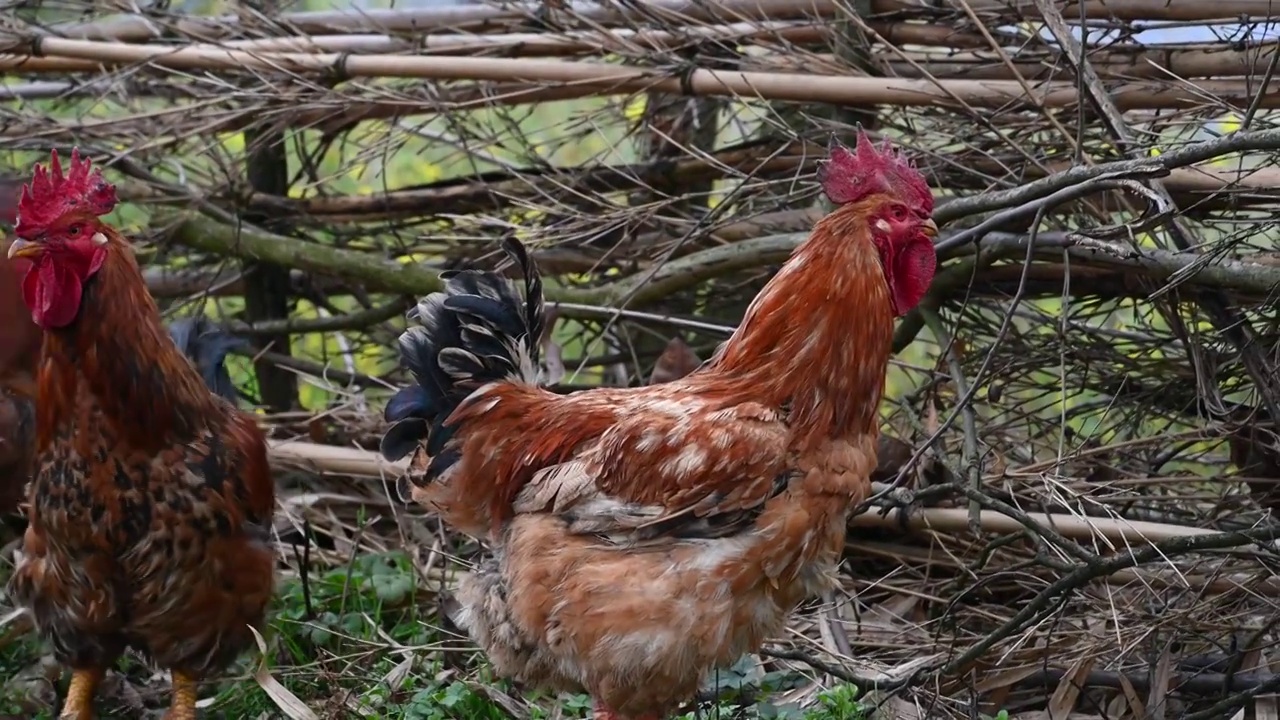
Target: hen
{"type": "Point", "coordinates": [151, 496]}
{"type": "Point", "coordinates": [645, 536]}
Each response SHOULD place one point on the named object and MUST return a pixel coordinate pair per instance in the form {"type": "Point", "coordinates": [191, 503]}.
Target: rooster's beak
{"type": "Point", "coordinates": [929, 228]}
{"type": "Point", "coordinates": [22, 248]}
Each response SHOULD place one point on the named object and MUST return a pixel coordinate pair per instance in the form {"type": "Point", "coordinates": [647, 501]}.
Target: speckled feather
{"type": "Point", "coordinates": [644, 536]}
{"type": "Point", "coordinates": [151, 500]}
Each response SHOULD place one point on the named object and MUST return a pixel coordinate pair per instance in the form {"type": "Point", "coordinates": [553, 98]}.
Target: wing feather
{"type": "Point", "coordinates": [675, 469]}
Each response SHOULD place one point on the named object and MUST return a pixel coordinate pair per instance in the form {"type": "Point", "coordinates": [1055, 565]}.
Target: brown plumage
{"type": "Point", "coordinates": [151, 497]}
{"type": "Point", "coordinates": [20, 342]}
{"type": "Point", "coordinates": [19, 352]}
{"type": "Point", "coordinates": [645, 536]}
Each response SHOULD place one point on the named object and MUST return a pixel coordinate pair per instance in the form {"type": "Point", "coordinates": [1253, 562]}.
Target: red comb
{"type": "Point", "coordinates": [50, 194]}
{"type": "Point", "coordinates": [850, 175]}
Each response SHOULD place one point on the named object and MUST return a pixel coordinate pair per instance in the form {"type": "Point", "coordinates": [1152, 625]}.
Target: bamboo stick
{"type": "Point", "coordinates": [1131, 63]}
{"type": "Point", "coordinates": [1123, 10]}
{"type": "Point", "coordinates": [1140, 63]}
{"type": "Point", "coordinates": [538, 44]}
{"type": "Point", "coordinates": [58, 65]}
{"type": "Point", "coordinates": [1074, 527]}
{"type": "Point", "coordinates": [466, 18]}
{"type": "Point", "coordinates": [327, 459]}
{"type": "Point", "coordinates": [597, 79]}
{"type": "Point", "coordinates": [491, 19]}
{"type": "Point", "coordinates": [332, 460]}
{"type": "Point", "coordinates": [597, 41]}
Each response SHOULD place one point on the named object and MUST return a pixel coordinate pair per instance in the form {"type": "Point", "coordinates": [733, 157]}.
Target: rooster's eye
{"type": "Point", "coordinates": [74, 230]}
{"type": "Point", "coordinates": [899, 213]}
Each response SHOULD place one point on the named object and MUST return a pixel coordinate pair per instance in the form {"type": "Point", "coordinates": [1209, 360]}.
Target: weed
{"type": "Point", "coordinates": [357, 642]}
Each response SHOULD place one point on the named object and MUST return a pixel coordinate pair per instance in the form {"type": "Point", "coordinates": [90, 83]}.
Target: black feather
{"type": "Point", "coordinates": [403, 489]}
{"type": "Point", "coordinates": [412, 401]}
{"type": "Point", "coordinates": [440, 435]}
{"type": "Point", "coordinates": [207, 345]}
{"type": "Point", "coordinates": [440, 463]}
{"type": "Point", "coordinates": [401, 438]}
{"type": "Point", "coordinates": [476, 330]}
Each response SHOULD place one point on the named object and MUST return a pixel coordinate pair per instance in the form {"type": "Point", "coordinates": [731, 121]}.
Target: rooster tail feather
{"type": "Point", "coordinates": [206, 345]}
{"type": "Point", "coordinates": [475, 331]}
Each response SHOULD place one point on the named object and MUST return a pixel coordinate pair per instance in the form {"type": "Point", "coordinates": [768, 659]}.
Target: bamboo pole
{"type": "Point", "coordinates": [539, 44]}
{"type": "Point", "coordinates": [598, 41]}
{"type": "Point", "coordinates": [543, 43]}
{"type": "Point", "coordinates": [456, 19]}
{"type": "Point", "coordinates": [1138, 63]}
{"type": "Point", "coordinates": [1123, 10]}
{"type": "Point", "coordinates": [598, 79]}
{"type": "Point", "coordinates": [491, 19]}
{"type": "Point", "coordinates": [1132, 63]}
{"type": "Point", "coordinates": [332, 460]}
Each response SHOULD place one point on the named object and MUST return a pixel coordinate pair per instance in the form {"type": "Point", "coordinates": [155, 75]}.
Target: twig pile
{"type": "Point", "coordinates": [1084, 404]}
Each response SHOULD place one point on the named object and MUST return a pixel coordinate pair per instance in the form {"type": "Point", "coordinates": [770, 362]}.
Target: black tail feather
{"type": "Point", "coordinates": [477, 330]}
{"type": "Point", "coordinates": [206, 345]}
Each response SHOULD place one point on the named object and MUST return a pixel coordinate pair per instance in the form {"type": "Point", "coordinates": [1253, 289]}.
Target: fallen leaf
{"type": "Point", "coordinates": [288, 703]}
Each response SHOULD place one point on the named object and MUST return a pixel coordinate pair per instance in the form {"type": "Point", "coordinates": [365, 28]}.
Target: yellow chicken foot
{"type": "Point", "coordinates": [84, 685]}
{"type": "Point", "coordinates": [184, 698]}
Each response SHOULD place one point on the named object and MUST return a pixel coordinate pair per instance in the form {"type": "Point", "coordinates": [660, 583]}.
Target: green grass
{"type": "Point", "coordinates": [361, 641]}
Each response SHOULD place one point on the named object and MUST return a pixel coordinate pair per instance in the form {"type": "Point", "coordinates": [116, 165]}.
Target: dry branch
{"type": "Point", "coordinates": [1247, 187]}
{"type": "Point", "coordinates": [327, 459]}
{"type": "Point", "coordinates": [480, 18]}
{"type": "Point", "coordinates": [481, 192]}
{"type": "Point", "coordinates": [1169, 64]}
{"type": "Point", "coordinates": [583, 79]}
{"type": "Point", "coordinates": [1109, 438]}
{"type": "Point", "coordinates": [330, 460]}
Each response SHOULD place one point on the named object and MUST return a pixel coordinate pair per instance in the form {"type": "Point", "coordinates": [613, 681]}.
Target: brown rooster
{"type": "Point", "coordinates": [151, 496]}
{"type": "Point", "coordinates": [19, 351]}
{"type": "Point", "coordinates": [203, 342]}
{"type": "Point", "coordinates": [645, 536]}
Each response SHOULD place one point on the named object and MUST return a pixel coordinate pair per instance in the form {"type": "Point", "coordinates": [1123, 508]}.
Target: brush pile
{"type": "Point", "coordinates": [1083, 409]}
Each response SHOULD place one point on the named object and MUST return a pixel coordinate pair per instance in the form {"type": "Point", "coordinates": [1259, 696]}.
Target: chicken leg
{"type": "Point", "coordinates": [84, 685]}
{"type": "Point", "coordinates": [183, 706]}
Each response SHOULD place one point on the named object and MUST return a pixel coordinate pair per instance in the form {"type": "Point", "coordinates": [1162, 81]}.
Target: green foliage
{"type": "Point", "coordinates": [365, 649]}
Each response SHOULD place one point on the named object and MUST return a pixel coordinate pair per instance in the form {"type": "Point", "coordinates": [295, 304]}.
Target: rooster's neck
{"type": "Point", "coordinates": [118, 352]}
{"type": "Point", "coordinates": [818, 337]}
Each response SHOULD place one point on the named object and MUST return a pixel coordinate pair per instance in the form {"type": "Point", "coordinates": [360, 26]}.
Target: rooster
{"type": "Point", "coordinates": [20, 338]}
{"type": "Point", "coordinates": [151, 498]}
{"type": "Point", "coordinates": [203, 343]}
{"type": "Point", "coordinates": [645, 536]}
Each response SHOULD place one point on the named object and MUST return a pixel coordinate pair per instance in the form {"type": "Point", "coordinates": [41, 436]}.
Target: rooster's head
{"type": "Point", "coordinates": [898, 208]}
{"type": "Point", "coordinates": [59, 232]}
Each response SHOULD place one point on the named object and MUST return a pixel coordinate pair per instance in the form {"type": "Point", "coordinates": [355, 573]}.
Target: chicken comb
{"type": "Point", "coordinates": [848, 176]}
{"type": "Point", "coordinates": [51, 194]}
